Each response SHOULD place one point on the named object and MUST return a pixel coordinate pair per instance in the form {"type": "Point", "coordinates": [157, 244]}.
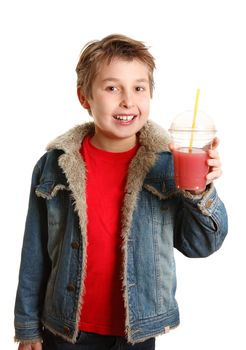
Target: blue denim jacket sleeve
{"type": "Point", "coordinates": [201, 224]}
{"type": "Point", "coordinates": [34, 269]}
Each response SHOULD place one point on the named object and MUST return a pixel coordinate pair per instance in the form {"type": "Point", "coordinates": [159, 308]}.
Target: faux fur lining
{"type": "Point", "coordinates": [164, 331]}
{"type": "Point", "coordinates": [70, 142]}
{"type": "Point", "coordinates": [152, 140]}
{"type": "Point", "coordinates": [75, 171]}
{"type": "Point", "coordinates": [58, 334]}
{"type": "Point", "coordinates": [138, 169]}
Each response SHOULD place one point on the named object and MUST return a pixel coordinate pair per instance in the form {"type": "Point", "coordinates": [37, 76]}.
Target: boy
{"type": "Point", "coordinates": [97, 268]}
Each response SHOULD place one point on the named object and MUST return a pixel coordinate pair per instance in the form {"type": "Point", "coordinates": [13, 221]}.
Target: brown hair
{"type": "Point", "coordinates": [97, 52]}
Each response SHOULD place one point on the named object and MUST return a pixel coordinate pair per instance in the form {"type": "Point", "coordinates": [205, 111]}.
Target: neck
{"type": "Point", "coordinates": [113, 144]}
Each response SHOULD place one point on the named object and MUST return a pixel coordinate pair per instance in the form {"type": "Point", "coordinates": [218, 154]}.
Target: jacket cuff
{"type": "Point", "coordinates": [205, 201]}
{"type": "Point", "coordinates": [28, 333]}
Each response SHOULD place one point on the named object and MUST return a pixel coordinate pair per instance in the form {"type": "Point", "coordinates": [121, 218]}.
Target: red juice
{"type": "Point", "coordinates": [190, 168]}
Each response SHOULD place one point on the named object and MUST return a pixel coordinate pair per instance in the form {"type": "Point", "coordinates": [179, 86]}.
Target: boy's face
{"type": "Point", "coordinates": [120, 100]}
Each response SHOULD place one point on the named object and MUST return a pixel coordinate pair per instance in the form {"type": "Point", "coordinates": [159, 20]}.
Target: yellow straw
{"type": "Point", "coordinates": [194, 119]}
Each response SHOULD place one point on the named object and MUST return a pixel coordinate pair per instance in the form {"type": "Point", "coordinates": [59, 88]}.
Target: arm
{"type": "Point", "coordinates": [202, 223]}
{"type": "Point", "coordinates": [34, 271]}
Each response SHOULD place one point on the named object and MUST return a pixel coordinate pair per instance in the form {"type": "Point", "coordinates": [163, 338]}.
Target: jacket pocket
{"type": "Point", "coordinates": [162, 197]}
{"type": "Point", "coordinates": [49, 189]}
{"type": "Point", "coordinates": [57, 196]}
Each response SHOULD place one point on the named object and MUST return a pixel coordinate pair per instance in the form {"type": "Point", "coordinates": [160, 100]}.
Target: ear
{"type": "Point", "coordinates": [82, 99]}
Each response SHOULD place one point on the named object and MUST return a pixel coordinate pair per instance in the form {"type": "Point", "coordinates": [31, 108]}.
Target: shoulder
{"type": "Point", "coordinates": [163, 167]}
{"type": "Point", "coordinates": [69, 143]}
{"type": "Point", "coordinates": [48, 165]}
{"type": "Point", "coordinates": [49, 158]}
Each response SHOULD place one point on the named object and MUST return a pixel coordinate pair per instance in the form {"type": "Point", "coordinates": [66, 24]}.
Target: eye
{"type": "Point", "coordinates": [140, 88]}
{"type": "Point", "coordinates": [111, 88]}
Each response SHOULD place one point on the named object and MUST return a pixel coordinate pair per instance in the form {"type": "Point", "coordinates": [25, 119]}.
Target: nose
{"type": "Point", "coordinates": [126, 100]}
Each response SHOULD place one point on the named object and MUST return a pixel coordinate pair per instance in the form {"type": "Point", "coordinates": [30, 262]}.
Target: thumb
{"type": "Point", "coordinates": [215, 143]}
{"type": "Point", "coordinates": [171, 147]}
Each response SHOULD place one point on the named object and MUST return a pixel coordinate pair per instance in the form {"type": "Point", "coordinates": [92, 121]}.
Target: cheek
{"type": "Point", "coordinates": [104, 103]}
{"type": "Point", "coordinates": [99, 107]}
{"type": "Point", "coordinates": [145, 105]}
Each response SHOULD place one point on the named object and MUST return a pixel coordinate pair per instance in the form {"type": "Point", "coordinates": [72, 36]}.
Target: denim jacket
{"type": "Point", "coordinates": [156, 218]}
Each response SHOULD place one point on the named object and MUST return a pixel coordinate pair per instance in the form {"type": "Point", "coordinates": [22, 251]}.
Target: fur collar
{"type": "Point", "coordinates": [151, 136]}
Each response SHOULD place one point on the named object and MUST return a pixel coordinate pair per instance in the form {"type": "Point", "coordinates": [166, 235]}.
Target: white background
{"type": "Point", "coordinates": [196, 43]}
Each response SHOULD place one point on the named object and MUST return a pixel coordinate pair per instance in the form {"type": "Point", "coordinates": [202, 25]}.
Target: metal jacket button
{"type": "Point", "coordinates": [71, 287]}
{"type": "Point", "coordinates": [165, 208]}
{"type": "Point", "coordinates": [75, 245]}
{"type": "Point", "coordinates": [208, 203]}
{"type": "Point", "coordinates": [66, 330]}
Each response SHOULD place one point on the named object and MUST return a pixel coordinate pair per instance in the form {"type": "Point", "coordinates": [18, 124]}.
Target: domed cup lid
{"type": "Point", "coordinates": [183, 135]}
{"type": "Point", "coordinates": [183, 122]}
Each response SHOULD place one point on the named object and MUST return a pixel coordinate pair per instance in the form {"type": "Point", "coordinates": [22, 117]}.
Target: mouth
{"type": "Point", "coordinates": [125, 118]}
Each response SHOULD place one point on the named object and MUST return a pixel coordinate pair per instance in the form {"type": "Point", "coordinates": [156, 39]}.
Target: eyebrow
{"type": "Point", "coordinates": [141, 80]}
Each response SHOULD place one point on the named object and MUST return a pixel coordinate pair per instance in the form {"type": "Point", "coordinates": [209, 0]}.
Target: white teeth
{"type": "Point", "coordinates": [125, 118]}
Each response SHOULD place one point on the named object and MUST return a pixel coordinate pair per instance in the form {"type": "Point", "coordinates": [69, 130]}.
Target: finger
{"type": "Point", "coordinates": [215, 143]}
{"type": "Point", "coordinates": [214, 162]}
{"type": "Point", "coordinates": [171, 147]}
{"type": "Point", "coordinates": [213, 175]}
{"type": "Point", "coordinates": [213, 153]}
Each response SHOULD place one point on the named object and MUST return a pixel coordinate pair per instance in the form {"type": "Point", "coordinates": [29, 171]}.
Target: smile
{"type": "Point", "coordinates": [124, 117]}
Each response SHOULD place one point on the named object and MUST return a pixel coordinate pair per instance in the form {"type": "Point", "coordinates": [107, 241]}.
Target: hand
{"type": "Point", "coordinates": [34, 346]}
{"type": "Point", "coordinates": [214, 162]}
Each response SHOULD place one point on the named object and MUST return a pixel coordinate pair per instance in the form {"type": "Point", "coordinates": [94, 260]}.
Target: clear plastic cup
{"type": "Point", "coordinates": [190, 157]}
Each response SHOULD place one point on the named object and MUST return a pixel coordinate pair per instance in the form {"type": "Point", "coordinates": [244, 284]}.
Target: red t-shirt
{"type": "Point", "coordinates": [103, 306]}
